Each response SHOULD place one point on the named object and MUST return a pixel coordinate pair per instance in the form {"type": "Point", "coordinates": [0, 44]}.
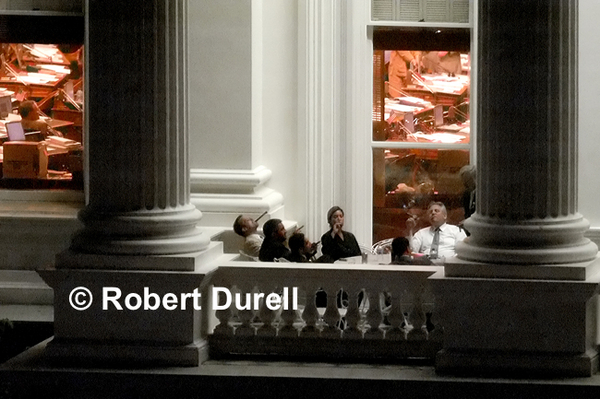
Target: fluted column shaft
{"type": "Point", "coordinates": [137, 142]}
{"type": "Point", "coordinates": [527, 136]}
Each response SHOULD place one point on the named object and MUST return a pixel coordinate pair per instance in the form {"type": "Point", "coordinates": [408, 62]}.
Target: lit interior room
{"type": "Point", "coordinates": [419, 97]}
{"type": "Point", "coordinates": [42, 103]}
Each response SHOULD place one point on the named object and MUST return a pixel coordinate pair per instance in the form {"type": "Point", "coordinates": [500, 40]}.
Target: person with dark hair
{"type": "Point", "coordinates": [337, 243]}
{"type": "Point", "coordinates": [468, 175]}
{"type": "Point", "coordinates": [437, 241]}
{"type": "Point", "coordinates": [247, 227]}
{"type": "Point", "coordinates": [302, 250]}
{"type": "Point", "coordinates": [30, 119]}
{"type": "Point", "coordinates": [402, 255]}
{"type": "Point", "coordinates": [273, 246]}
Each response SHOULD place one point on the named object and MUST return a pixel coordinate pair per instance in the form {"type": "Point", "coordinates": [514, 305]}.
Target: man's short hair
{"type": "Point", "coordinates": [438, 203]}
{"type": "Point", "coordinates": [237, 226]}
{"type": "Point", "coordinates": [467, 172]}
{"type": "Point", "coordinates": [270, 227]}
{"type": "Point", "coordinates": [26, 107]}
{"type": "Point", "coordinates": [399, 246]}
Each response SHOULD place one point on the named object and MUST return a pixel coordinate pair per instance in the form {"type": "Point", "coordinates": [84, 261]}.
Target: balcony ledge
{"type": "Point", "coordinates": [32, 374]}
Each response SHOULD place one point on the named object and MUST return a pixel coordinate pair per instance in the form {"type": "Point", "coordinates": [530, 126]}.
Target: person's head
{"type": "Point", "coordinates": [244, 226]}
{"type": "Point", "coordinates": [29, 110]}
{"type": "Point", "coordinates": [335, 215]}
{"type": "Point", "coordinates": [274, 230]}
{"type": "Point", "coordinates": [468, 175]}
{"type": "Point", "coordinates": [298, 243]}
{"type": "Point", "coordinates": [436, 213]}
{"type": "Point", "coordinates": [400, 246]}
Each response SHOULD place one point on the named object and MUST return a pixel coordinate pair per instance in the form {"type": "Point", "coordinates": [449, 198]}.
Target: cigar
{"type": "Point", "coordinates": [258, 218]}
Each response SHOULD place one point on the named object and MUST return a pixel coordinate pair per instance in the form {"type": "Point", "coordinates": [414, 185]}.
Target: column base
{"type": "Point", "coordinates": [140, 316]}
{"type": "Point", "coordinates": [512, 326]}
{"type": "Point", "coordinates": [515, 364]}
{"type": "Point", "coordinates": [188, 262]}
{"type": "Point", "coordinates": [95, 354]}
{"type": "Point", "coordinates": [456, 267]}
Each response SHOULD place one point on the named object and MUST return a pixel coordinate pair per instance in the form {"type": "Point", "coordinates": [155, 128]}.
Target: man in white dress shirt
{"type": "Point", "coordinates": [437, 241]}
{"type": "Point", "coordinates": [247, 227]}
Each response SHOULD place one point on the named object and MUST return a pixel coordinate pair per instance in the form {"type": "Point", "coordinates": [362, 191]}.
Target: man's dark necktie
{"type": "Point", "coordinates": [435, 244]}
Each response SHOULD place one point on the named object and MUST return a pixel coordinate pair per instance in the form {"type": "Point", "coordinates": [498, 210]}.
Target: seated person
{"type": "Point", "coordinates": [468, 175]}
{"type": "Point", "coordinates": [446, 235]}
{"type": "Point", "coordinates": [30, 119]}
{"type": "Point", "coordinates": [337, 243]}
{"type": "Point", "coordinates": [273, 246]}
{"type": "Point", "coordinates": [402, 255]}
{"type": "Point", "coordinates": [247, 227]}
{"type": "Point", "coordinates": [302, 249]}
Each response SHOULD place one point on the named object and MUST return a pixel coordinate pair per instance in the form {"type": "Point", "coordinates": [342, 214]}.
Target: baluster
{"type": "Point", "coordinates": [267, 316]}
{"type": "Point", "coordinates": [437, 334]}
{"type": "Point", "coordinates": [224, 316]}
{"type": "Point", "coordinates": [245, 312]}
{"type": "Point", "coordinates": [286, 327]}
{"type": "Point", "coordinates": [332, 314]}
{"type": "Point", "coordinates": [396, 317]}
{"type": "Point", "coordinates": [374, 315]}
{"type": "Point", "coordinates": [310, 315]}
{"type": "Point", "coordinates": [417, 316]}
{"type": "Point", "coordinates": [352, 314]}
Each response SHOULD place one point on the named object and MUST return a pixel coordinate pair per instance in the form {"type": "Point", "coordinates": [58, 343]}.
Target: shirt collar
{"type": "Point", "coordinates": [442, 227]}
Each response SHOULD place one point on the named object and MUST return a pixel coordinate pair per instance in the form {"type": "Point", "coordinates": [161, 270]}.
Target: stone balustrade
{"type": "Point", "coordinates": [362, 311]}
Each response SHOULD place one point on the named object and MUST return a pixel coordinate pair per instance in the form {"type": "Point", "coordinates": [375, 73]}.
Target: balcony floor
{"type": "Point", "coordinates": [30, 375]}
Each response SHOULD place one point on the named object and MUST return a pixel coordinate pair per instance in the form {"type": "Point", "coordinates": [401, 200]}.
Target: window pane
{"type": "Point", "coordinates": [405, 181]}
{"type": "Point", "coordinates": [421, 96]}
{"type": "Point", "coordinates": [41, 116]}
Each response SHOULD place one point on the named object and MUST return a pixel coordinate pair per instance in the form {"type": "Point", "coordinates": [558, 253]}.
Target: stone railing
{"type": "Point", "coordinates": [353, 311]}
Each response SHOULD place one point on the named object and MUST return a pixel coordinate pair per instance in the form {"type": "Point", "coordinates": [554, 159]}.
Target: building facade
{"type": "Point", "coordinates": [252, 106]}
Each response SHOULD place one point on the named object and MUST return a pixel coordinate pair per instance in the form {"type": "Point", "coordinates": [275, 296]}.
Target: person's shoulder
{"type": "Point", "coordinates": [254, 238]}
{"type": "Point", "coordinates": [347, 233]}
{"type": "Point", "coordinates": [456, 231]}
{"type": "Point", "coordinates": [423, 230]}
{"type": "Point", "coordinates": [453, 228]}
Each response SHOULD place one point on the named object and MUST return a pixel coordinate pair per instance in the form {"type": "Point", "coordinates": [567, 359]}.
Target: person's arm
{"type": "Point", "coordinates": [460, 235]}
{"type": "Point", "coordinates": [416, 242]}
{"type": "Point", "coordinates": [252, 246]}
{"type": "Point", "coordinates": [337, 248]}
{"type": "Point", "coordinates": [327, 244]}
{"type": "Point", "coordinates": [407, 56]}
{"type": "Point", "coordinates": [53, 132]}
{"type": "Point", "coordinates": [350, 246]}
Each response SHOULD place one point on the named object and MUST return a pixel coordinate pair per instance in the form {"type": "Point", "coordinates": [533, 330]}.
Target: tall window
{"type": "Point", "coordinates": [41, 115]}
{"type": "Point", "coordinates": [421, 135]}
{"type": "Point", "coordinates": [41, 75]}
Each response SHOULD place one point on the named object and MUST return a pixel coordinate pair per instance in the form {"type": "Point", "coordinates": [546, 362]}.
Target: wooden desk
{"type": "Point", "coordinates": [438, 97]}
{"type": "Point", "coordinates": [57, 124]}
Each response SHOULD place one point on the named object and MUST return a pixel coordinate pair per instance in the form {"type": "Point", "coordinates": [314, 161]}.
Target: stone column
{"type": "Point", "coordinates": [527, 142]}
{"type": "Point", "coordinates": [137, 118]}
{"type": "Point", "coordinates": [521, 297]}
{"type": "Point", "coordinates": [140, 237]}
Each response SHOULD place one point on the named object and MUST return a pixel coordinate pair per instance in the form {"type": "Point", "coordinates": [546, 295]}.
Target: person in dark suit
{"type": "Point", "coordinates": [273, 246]}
